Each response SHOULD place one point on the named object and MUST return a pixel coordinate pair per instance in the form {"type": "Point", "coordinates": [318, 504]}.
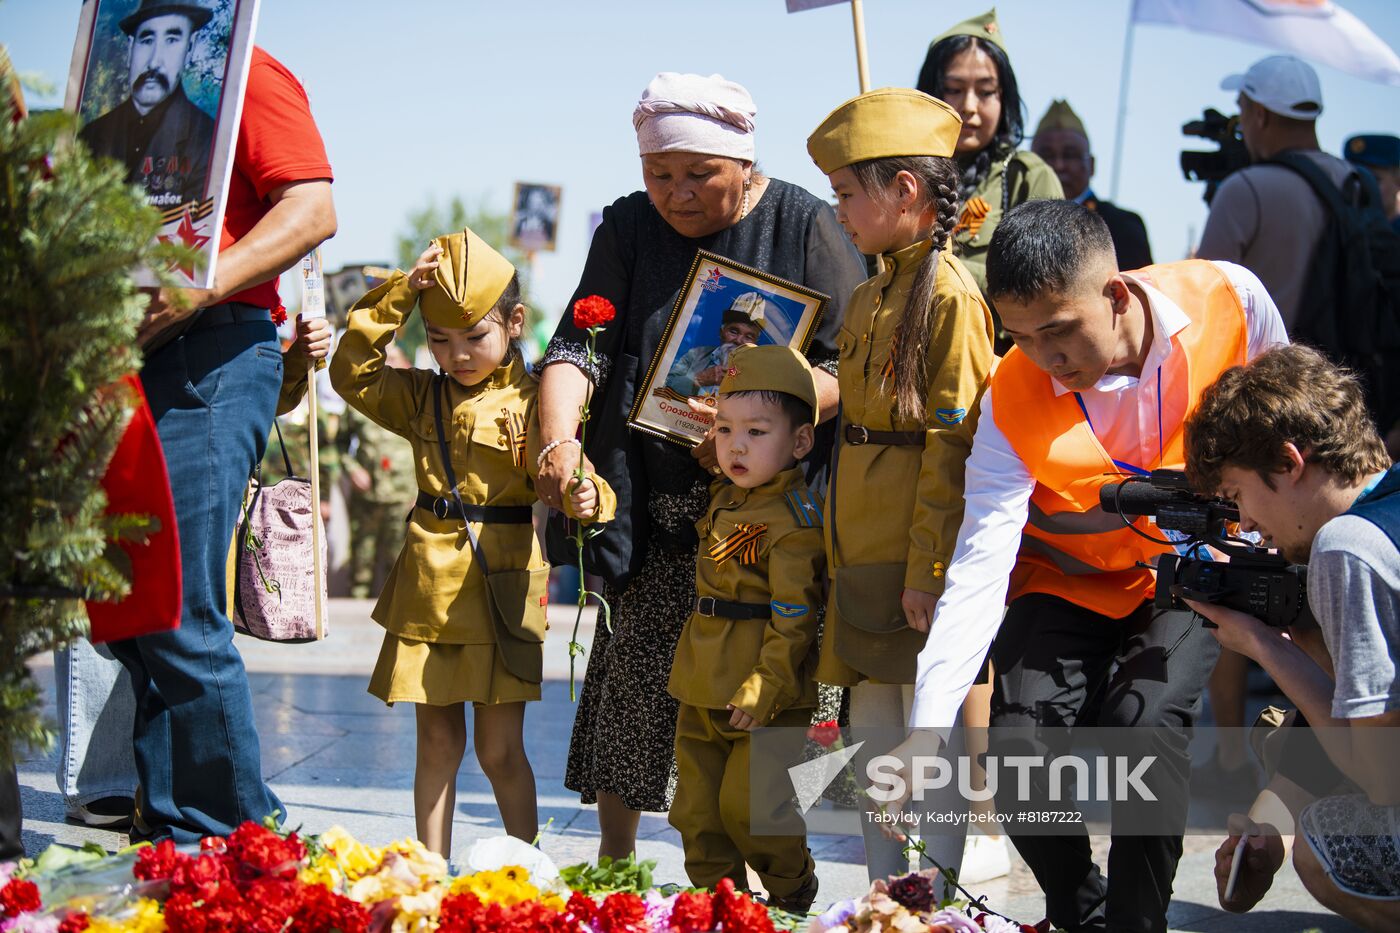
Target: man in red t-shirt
{"type": "Point", "coordinates": [213, 390]}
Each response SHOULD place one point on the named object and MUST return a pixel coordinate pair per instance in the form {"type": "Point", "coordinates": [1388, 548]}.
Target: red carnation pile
{"type": "Point", "coordinates": [593, 311]}
{"type": "Point", "coordinates": [248, 883]}
{"type": "Point", "coordinates": [465, 913]}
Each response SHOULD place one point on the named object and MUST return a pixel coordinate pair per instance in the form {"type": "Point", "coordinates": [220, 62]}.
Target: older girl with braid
{"type": "Point", "coordinates": [915, 353]}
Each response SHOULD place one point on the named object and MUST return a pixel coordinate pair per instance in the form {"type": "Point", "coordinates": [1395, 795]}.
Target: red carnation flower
{"type": "Point", "coordinates": [200, 877]}
{"type": "Point", "coordinates": [279, 315]}
{"type": "Point", "coordinates": [582, 907]}
{"type": "Point", "coordinates": [622, 912]}
{"type": "Point", "coordinates": [693, 913]}
{"type": "Point", "coordinates": [824, 734]}
{"type": "Point", "coordinates": [158, 862]}
{"type": "Point", "coordinates": [593, 311]}
{"type": "Point", "coordinates": [19, 897]}
{"type": "Point", "coordinates": [323, 909]}
{"type": "Point", "coordinates": [260, 851]}
{"type": "Point", "coordinates": [75, 923]}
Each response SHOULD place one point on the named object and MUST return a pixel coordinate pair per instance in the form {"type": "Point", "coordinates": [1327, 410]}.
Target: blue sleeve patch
{"type": "Point", "coordinates": [951, 416]}
{"type": "Point", "coordinates": [789, 610]}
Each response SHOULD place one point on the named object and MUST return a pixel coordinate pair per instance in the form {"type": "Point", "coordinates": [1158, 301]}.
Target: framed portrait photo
{"type": "Point", "coordinates": [158, 86]}
{"type": "Point", "coordinates": [722, 306]}
{"type": "Point", "coordinates": [534, 223]}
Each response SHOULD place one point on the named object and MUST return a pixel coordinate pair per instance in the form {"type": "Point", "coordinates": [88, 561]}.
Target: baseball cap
{"type": "Point", "coordinates": [1280, 84]}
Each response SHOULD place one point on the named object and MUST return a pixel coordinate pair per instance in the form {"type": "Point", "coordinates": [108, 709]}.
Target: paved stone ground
{"type": "Point", "coordinates": [337, 755]}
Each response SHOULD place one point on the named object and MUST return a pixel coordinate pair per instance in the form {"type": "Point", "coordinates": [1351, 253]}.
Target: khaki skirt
{"type": "Point", "coordinates": [434, 674]}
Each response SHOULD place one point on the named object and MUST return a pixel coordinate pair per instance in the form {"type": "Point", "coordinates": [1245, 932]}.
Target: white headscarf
{"type": "Point", "coordinates": [694, 113]}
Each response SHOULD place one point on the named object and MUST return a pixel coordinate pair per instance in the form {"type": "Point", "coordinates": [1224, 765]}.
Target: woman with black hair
{"type": "Point", "coordinates": [967, 66]}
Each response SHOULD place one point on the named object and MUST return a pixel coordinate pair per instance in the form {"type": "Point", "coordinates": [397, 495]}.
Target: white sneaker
{"type": "Point", "coordinates": [984, 858]}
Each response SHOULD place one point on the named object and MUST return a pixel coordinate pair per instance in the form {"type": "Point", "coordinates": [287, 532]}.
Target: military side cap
{"type": "Point", "coordinates": [771, 368]}
{"type": "Point", "coordinates": [1061, 116]}
{"type": "Point", "coordinates": [471, 276]}
{"type": "Point", "coordinates": [983, 27]}
{"type": "Point", "coordinates": [891, 121]}
{"type": "Point", "coordinates": [1375, 150]}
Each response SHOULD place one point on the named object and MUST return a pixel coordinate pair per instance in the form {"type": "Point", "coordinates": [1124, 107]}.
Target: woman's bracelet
{"type": "Point", "coordinates": [539, 461]}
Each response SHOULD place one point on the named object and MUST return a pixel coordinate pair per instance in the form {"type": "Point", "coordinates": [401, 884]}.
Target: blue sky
{"type": "Point", "coordinates": [421, 100]}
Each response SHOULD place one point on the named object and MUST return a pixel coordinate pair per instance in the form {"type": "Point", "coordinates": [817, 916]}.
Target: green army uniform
{"type": "Point", "coordinates": [896, 497]}
{"type": "Point", "coordinates": [750, 645]}
{"type": "Point", "coordinates": [1031, 178]}
{"type": "Point", "coordinates": [376, 514]}
{"type": "Point", "coordinates": [446, 640]}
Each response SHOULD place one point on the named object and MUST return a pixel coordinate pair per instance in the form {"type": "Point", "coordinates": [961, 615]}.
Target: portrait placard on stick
{"type": "Point", "coordinates": [158, 86]}
{"type": "Point", "coordinates": [534, 222]}
{"type": "Point", "coordinates": [722, 306]}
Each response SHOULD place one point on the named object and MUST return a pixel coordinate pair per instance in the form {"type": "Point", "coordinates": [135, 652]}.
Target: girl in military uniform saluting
{"type": "Point", "coordinates": [464, 606]}
{"type": "Point", "coordinates": [915, 352]}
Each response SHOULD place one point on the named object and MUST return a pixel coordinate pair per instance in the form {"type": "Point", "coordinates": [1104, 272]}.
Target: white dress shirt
{"type": "Point", "coordinates": [1127, 420]}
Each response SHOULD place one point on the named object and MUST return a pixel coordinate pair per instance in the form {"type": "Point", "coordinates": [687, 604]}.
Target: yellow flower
{"type": "Point", "coordinates": [354, 857]}
{"type": "Point", "coordinates": [506, 886]}
{"type": "Point", "coordinates": [143, 916]}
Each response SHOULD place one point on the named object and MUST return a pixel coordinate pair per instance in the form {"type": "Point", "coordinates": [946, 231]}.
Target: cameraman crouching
{"type": "Point", "coordinates": [1286, 437]}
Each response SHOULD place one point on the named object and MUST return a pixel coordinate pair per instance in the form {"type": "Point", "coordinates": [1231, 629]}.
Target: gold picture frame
{"type": "Point", "coordinates": [722, 306]}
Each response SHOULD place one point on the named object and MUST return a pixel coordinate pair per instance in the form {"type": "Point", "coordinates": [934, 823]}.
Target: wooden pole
{"type": "Point", "coordinates": [317, 532]}
{"type": "Point", "coordinates": [313, 305]}
{"type": "Point", "coordinates": [858, 22]}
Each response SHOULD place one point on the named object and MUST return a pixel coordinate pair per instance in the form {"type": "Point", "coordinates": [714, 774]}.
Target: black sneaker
{"type": "Point", "coordinates": [113, 813]}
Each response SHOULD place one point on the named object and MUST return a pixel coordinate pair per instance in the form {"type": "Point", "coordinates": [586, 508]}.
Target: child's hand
{"type": "Point", "coordinates": [918, 608]}
{"type": "Point", "coordinates": [739, 719]}
{"type": "Point", "coordinates": [422, 275]}
{"type": "Point", "coordinates": [313, 338]}
{"type": "Point", "coordinates": [583, 499]}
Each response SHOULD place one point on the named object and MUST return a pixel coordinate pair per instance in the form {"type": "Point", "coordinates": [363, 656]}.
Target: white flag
{"type": "Point", "coordinates": [797, 6]}
{"type": "Point", "coordinates": [1318, 30]}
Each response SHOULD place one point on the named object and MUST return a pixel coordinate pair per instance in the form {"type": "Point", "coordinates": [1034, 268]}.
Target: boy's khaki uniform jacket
{"type": "Point", "coordinates": [897, 508]}
{"type": "Point", "coordinates": [760, 545]}
{"type": "Point", "coordinates": [435, 591]}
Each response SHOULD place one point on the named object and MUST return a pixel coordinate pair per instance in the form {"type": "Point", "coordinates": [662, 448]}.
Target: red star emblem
{"type": "Point", "coordinates": [733, 371]}
{"type": "Point", "coordinates": [188, 236]}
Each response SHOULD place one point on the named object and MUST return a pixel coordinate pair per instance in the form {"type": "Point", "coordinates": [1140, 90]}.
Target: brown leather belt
{"type": "Point", "coordinates": [857, 436]}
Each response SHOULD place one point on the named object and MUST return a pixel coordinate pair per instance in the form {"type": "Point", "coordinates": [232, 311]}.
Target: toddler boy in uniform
{"type": "Point", "coordinates": [748, 652]}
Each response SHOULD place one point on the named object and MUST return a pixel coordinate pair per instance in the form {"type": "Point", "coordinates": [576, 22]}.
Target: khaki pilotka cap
{"type": "Point", "coordinates": [1061, 116]}
{"type": "Point", "coordinates": [982, 27]}
{"type": "Point", "coordinates": [880, 124]}
{"type": "Point", "coordinates": [771, 368]}
{"type": "Point", "coordinates": [471, 277]}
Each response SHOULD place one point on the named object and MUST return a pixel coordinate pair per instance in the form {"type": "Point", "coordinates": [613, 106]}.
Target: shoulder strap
{"type": "Point", "coordinates": [1321, 183]}
{"type": "Point", "coordinates": [286, 460]}
{"type": "Point", "coordinates": [438, 391]}
{"type": "Point", "coordinates": [1007, 182]}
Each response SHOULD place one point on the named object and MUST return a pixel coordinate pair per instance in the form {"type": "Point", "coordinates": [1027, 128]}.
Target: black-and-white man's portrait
{"type": "Point", "coordinates": [163, 137]}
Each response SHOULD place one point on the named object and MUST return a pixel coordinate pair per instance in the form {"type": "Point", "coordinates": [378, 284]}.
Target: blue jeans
{"type": "Point", "coordinates": [95, 709]}
{"type": "Point", "coordinates": [213, 393]}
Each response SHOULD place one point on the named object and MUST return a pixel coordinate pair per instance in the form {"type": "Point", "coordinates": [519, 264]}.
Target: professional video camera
{"type": "Point", "coordinates": [1213, 167]}
{"type": "Point", "coordinates": [1256, 580]}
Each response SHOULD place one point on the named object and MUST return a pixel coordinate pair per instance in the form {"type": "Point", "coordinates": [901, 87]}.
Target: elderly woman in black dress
{"type": "Point", "coordinates": [702, 191]}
